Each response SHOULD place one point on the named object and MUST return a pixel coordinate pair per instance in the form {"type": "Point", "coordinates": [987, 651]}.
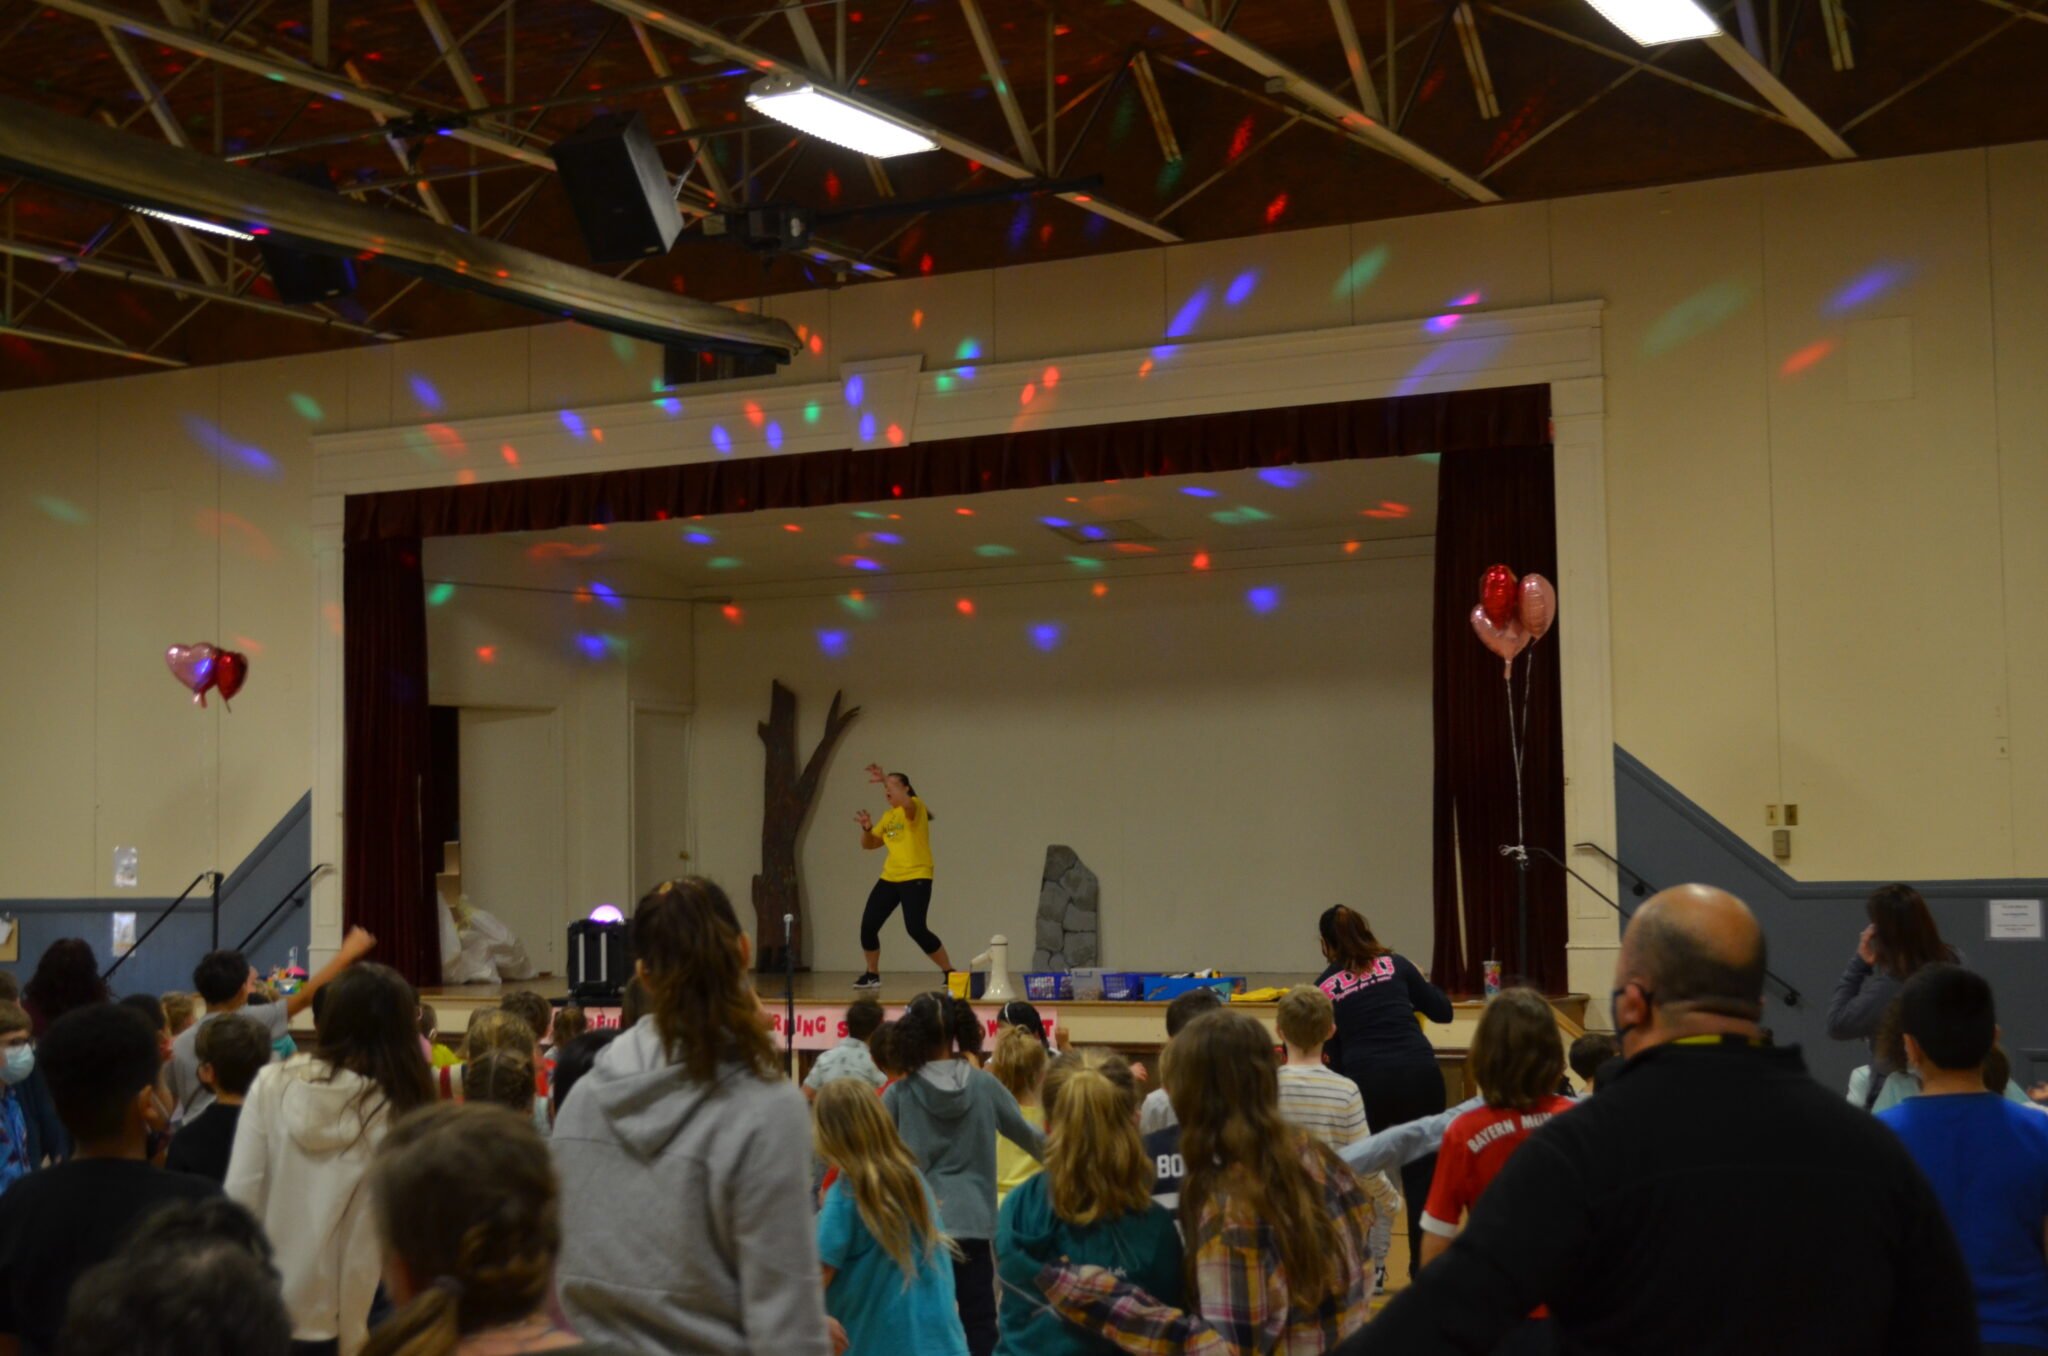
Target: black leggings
{"type": "Point", "coordinates": [1394, 1095]}
{"type": "Point", "coordinates": [974, 1291]}
{"type": "Point", "coordinates": [916, 898]}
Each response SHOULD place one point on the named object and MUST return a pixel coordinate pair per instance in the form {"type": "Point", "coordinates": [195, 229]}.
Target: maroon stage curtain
{"type": "Point", "coordinates": [384, 699]}
{"type": "Point", "coordinates": [1495, 506]}
{"type": "Point", "coordinates": [1514, 416]}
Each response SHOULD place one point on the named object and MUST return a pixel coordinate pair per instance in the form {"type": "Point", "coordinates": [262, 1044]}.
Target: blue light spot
{"type": "Point", "coordinates": [867, 428]}
{"type": "Point", "coordinates": [424, 392]}
{"type": "Point", "coordinates": [863, 563]}
{"type": "Point", "coordinates": [721, 440]}
{"type": "Point", "coordinates": [1189, 314]}
{"type": "Point", "coordinates": [604, 593]}
{"type": "Point", "coordinates": [1094, 533]}
{"type": "Point", "coordinates": [1283, 477]}
{"type": "Point", "coordinates": [833, 643]}
{"type": "Point", "coordinates": [670, 406]}
{"type": "Point", "coordinates": [593, 647]}
{"type": "Point", "coordinates": [886, 538]}
{"type": "Point", "coordinates": [1198, 492]}
{"type": "Point", "coordinates": [1867, 286]}
{"type": "Point", "coordinates": [699, 538]}
{"type": "Point", "coordinates": [573, 422]}
{"type": "Point", "coordinates": [1241, 287]}
{"type": "Point", "coordinates": [243, 456]}
{"type": "Point", "coordinates": [1046, 636]}
{"type": "Point", "coordinates": [856, 390]}
{"type": "Point", "coordinates": [1055, 522]}
{"type": "Point", "coordinates": [774, 435]}
{"type": "Point", "coordinates": [1263, 600]}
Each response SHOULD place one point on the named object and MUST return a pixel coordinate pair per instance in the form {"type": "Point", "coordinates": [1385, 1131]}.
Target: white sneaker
{"type": "Point", "coordinates": [869, 980]}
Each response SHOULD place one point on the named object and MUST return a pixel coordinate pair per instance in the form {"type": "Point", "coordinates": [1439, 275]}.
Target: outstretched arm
{"type": "Point", "coordinates": [868, 839]}
{"type": "Point", "coordinates": [358, 944]}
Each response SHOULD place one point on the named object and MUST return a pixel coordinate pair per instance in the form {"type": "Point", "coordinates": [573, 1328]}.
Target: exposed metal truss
{"type": "Point", "coordinates": [1354, 57]}
{"type": "Point", "coordinates": [1155, 107]}
{"type": "Point", "coordinates": [1765, 82]}
{"type": "Point", "coordinates": [1475, 59]}
{"type": "Point", "coordinates": [999, 82]}
{"type": "Point", "coordinates": [703, 35]}
{"type": "Point", "coordinates": [1371, 131]}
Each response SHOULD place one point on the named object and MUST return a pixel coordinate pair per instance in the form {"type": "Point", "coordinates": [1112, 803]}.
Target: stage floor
{"type": "Point", "coordinates": [811, 986]}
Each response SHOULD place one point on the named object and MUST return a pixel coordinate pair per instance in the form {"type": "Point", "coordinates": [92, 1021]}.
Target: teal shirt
{"type": "Point", "coordinates": [883, 1313]}
{"type": "Point", "coordinates": [1142, 1248]}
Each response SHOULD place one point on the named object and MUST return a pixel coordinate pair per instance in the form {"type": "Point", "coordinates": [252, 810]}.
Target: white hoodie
{"type": "Point", "coordinates": [302, 1147]}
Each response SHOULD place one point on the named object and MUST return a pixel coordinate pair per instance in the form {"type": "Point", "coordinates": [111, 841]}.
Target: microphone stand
{"type": "Point", "coordinates": [789, 991]}
{"type": "Point", "coordinates": [1791, 994]}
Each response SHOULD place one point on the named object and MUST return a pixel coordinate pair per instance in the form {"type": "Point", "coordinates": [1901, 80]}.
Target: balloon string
{"type": "Point", "coordinates": [1515, 748]}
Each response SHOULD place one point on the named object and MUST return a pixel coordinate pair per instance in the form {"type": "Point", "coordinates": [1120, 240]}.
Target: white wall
{"type": "Point", "coordinates": [515, 648]}
{"type": "Point", "coordinates": [1227, 774]}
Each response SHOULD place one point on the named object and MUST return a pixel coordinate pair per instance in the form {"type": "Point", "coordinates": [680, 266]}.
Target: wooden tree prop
{"type": "Point", "coordinates": [786, 806]}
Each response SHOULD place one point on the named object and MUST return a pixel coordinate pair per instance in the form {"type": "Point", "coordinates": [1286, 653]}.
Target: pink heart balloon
{"type": "Point", "coordinates": [1538, 606]}
{"type": "Point", "coordinates": [194, 667]}
{"type": "Point", "coordinates": [1506, 641]}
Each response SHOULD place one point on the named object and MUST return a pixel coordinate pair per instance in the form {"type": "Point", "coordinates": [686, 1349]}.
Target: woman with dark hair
{"type": "Point", "coordinates": [949, 1113]}
{"type": "Point", "coordinates": [67, 977]}
{"type": "Point", "coordinates": [1900, 938]}
{"type": "Point", "coordinates": [1379, 1045]}
{"type": "Point", "coordinates": [308, 1130]}
{"type": "Point", "coordinates": [685, 1157]}
{"type": "Point", "coordinates": [906, 831]}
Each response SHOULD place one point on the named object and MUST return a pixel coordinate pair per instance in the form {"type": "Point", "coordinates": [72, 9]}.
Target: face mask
{"type": "Point", "coordinates": [284, 1047]}
{"type": "Point", "coordinates": [21, 1062]}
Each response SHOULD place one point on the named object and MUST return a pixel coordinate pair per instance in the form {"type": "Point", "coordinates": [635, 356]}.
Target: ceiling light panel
{"type": "Point", "coordinates": [1653, 23]}
{"type": "Point", "coordinates": [798, 103]}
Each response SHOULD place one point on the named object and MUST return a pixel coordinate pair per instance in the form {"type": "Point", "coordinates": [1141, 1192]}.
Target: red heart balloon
{"type": "Point", "coordinates": [1506, 641]}
{"type": "Point", "coordinates": [193, 666]}
{"type": "Point", "coordinates": [1539, 606]}
{"type": "Point", "coordinates": [1497, 594]}
{"type": "Point", "coordinates": [230, 671]}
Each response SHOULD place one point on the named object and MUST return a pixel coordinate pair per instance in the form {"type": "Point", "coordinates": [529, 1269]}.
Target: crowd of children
{"type": "Point", "coordinates": [176, 1177]}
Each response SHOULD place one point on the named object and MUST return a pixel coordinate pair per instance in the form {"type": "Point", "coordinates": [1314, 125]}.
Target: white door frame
{"type": "Point", "coordinates": [899, 401]}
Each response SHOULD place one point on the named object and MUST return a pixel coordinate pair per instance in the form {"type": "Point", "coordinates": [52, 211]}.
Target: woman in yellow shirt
{"type": "Point", "coordinates": [906, 831]}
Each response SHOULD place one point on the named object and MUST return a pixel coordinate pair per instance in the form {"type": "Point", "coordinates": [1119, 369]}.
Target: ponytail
{"type": "Point", "coordinates": [686, 934]}
{"type": "Point", "coordinates": [910, 790]}
{"type": "Point", "coordinates": [931, 1028]}
{"type": "Point", "coordinates": [1349, 939]}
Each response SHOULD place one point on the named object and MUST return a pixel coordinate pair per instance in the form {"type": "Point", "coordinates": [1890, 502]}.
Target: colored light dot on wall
{"type": "Point", "coordinates": [965, 607]}
{"type": "Point", "coordinates": [486, 654]}
{"type": "Point", "coordinates": [811, 412]}
{"type": "Point", "coordinates": [732, 613]}
{"type": "Point", "coordinates": [1046, 635]}
{"type": "Point", "coordinates": [1049, 378]}
{"type": "Point", "coordinates": [440, 594]}
{"type": "Point", "coordinates": [1263, 600]}
{"type": "Point", "coordinates": [1100, 590]}
{"type": "Point", "coordinates": [917, 320]}
{"type": "Point", "coordinates": [1201, 561]}
{"type": "Point", "coordinates": [510, 454]}
{"type": "Point", "coordinates": [964, 512]}
{"type": "Point", "coordinates": [1028, 394]}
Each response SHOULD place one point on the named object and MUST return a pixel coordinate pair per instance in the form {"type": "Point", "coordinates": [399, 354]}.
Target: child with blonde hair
{"type": "Point", "coordinates": [888, 1265]}
{"type": "Point", "coordinates": [1328, 1105]}
{"type": "Point", "coordinates": [1019, 1064]}
{"type": "Point", "coordinates": [1091, 1206]}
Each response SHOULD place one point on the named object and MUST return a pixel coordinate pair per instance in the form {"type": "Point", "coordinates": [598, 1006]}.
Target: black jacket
{"type": "Point", "coordinates": [1714, 1199]}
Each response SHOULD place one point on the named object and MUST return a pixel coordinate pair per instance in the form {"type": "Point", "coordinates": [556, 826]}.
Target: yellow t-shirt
{"type": "Point", "coordinates": [1014, 1167]}
{"type": "Point", "coordinates": [909, 843]}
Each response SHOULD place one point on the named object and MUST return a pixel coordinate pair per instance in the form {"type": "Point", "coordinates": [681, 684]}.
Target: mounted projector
{"type": "Point", "coordinates": [117, 167]}
{"type": "Point", "coordinates": [768, 229]}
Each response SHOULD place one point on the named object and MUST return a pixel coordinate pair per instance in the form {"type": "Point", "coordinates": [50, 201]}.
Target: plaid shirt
{"type": "Point", "coordinates": [1241, 1291]}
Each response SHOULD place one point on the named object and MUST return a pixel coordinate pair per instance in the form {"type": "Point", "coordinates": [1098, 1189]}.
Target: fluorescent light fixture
{"type": "Point", "coordinates": [196, 223]}
{"type": "Point", "coordinates": [1653, 23]}
{"type": "Point", "coordinates": [833, 117]}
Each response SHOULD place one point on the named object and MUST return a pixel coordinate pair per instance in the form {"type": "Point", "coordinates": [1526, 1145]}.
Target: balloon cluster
{"type": "Point", "coordinates": [202, 667]}
{"type": "Point", "coordinates": [1513, 613]}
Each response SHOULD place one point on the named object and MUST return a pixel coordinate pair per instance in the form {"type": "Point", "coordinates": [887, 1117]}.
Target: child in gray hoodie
{"type": "Point", "coordinates": [949, 1113]}
{"type": "Point", "coordinates": [685, 1159]}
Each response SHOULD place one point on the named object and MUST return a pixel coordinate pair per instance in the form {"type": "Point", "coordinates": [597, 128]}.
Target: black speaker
{"type": "Point", "coordinates": [618, 189]}
{"type": "Point", "coordinates": [304, 277]}
{"type": "Point", "coordinates": [599, 965]}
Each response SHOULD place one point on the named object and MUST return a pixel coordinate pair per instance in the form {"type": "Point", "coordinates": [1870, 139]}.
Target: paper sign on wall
{"type": "Point", "coordinates": [2014, 920]}
{"type": "Point", "coordinates": [123, 940]}
{"type": "Point", "coordinates": [127, 866]}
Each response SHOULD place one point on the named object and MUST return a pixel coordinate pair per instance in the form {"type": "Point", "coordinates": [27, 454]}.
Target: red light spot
{"type": "Point", "coordinates": [1083, 197]}
{"type": "Point", "coordinates": [1059, 80]}
{"type": "Point", "coordinates": [582, 595]}
{"type": "Point", "coordinates": [597, 435]}
{"type": "Point", "coordinates": [1028, 394]}
{"type": "Point", "coordinates": [486, 654]}
{"type": "Point", "coordinates": [1202, 560]}
{"type": "Point", "coordinates": [510, 454]}
{"type": "Point", "coordinates": [895, 491]}
{"type": "Point", "coordinates": [964, 512]}
{"type": "Point", "coordinates": [895, 435]}
{"type": "Point", "coordinates": [1387, 509]}
{"type": "Point", "coordinates": [597, 527]}
{"type": "Point", "coordinates": [832, 185]}
{"type": "Point", "coordinates": [661, 515]}
{"type": "Point", "coordinates": [259, 230]}
{"type": "Point", "coordinates": [504, 273]}
{"type": "Point", "coordinates": [817, 343]}
{"type": "Point", "coordinates": [1145, 369]}
{"type": "Point", "coordinates": [792, 527]}
{"type": "Point", "coordinates": [1350, 548]}
{"type": "Point", "coordinates": [732, 613]}
{"type": "Point", "coordinates": [1276, 209]}
{"type": "Point", "coordinates": [924, 264]}
{"type": "Point", "coordinates": [965, 607]}
{"type": "Point", "coordinates": [974, 167]}
{"type": "Point", "coordinates": [1100, 590]}
{"type": "Point", "coordinates": [1045, 234]}
{"type": "Point", "coordinates": [754, 414]}
{"type": "Point", "coordinates": [1241, 138]}
{"type": "Point", "coordinates": [917, 320]}
{"type": "Point", "coordinates": [1136, 548]}
{"type": "Point", "coordinates": [465, 477]}
{"type": "Point", "coordinates": [1806, 357]}
{"type": "Point", "coordinates": [1049, 378]}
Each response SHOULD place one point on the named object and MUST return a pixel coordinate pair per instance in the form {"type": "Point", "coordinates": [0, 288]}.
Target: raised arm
{"type": "Point", "coordinates": [1861, 996]}
{"type": "Point", "coordinates": [358, 944]}
{"type": "Point", "coordinates": [868, 840]}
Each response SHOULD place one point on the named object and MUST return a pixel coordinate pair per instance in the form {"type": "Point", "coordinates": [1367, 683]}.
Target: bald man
{"type": "Point", "coordinates": [1713, 1198]}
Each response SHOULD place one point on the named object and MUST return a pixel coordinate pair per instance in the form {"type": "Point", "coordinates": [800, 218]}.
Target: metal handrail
{"type": "Point", "coordinates": [1643, 887]}
{"type": "Point", "coordinates": [208, 875]}
{"type": "Point", "coordinates": [291, 896]}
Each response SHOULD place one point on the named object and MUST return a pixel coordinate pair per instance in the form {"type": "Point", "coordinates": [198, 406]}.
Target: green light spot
{"type": "Point", "coordinates": [725, 562]}
{"type": "Point", "coordinates": [622, 348]}
{"type": "Point", "coordinates": [440, 594]}
{"type": "Point", "coordinates": [943, 383]}
{"type": "Point", "coordinates": [1084, 562]}
{"type": "Point", "coordinates": [654, 385]}
{"type": "Point", "coordinates": [308, 408]}
{"type": "Point", "coordinates": [1430, 458]}
{"type": "Point", "coordinates": [859, 607]}
{"type": "Point", "coordinates": [1169, 175]}
{"type": "Point", "coordinates": [615, 644]}
{"type": "Point", "coordinates": [991, 551]}
{"type": "Point", "coordinates": [1242, 514]}
{"type": "Point", "coordinates": [868, 514]}
{"type": "Point", "coordinates": [63, 510]}
{"type": "Point", "coordinates": [811, 412]}
{"type": "Point", "coordinates": [1362, 271]}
